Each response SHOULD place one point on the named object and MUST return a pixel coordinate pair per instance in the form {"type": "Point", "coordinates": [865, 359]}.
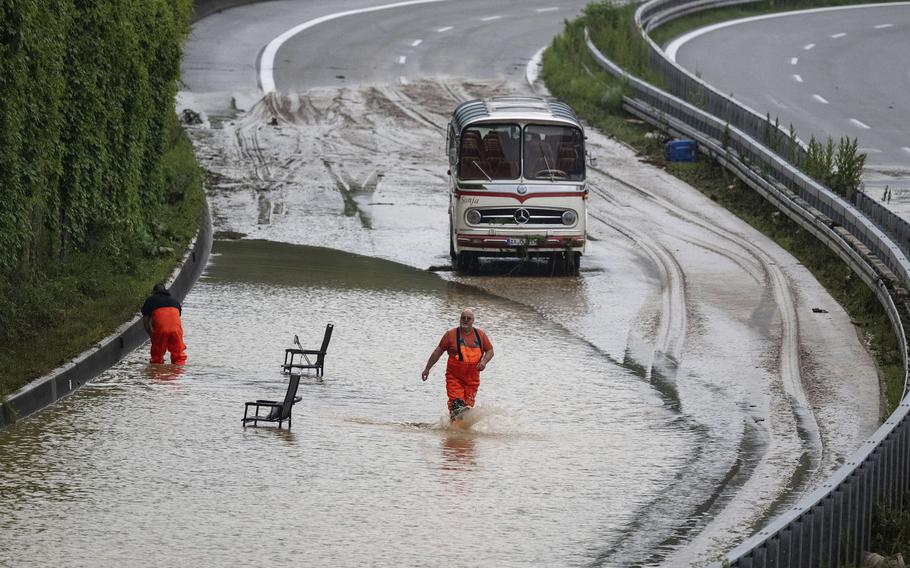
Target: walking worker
{"type": "Point", "coordinates": [469, 351]}
{"type": "Point", "coordinates": [161, 319]}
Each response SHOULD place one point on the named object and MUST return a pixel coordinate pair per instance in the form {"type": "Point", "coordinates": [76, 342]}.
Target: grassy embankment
{"type": "Point", "coordinates": [101, 190]}
{"type": "Point", "coordinates": [74, 303]}
{"type": "Point", "coordinates": [573, 75]}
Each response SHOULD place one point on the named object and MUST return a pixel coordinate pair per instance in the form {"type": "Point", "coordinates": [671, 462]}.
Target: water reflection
{"type": "Point", "coordinates": [164, 372]}
{"type": "Point", "coordinates": [459, 451]}
{"type": "Point", "coordinates": [148, 455]}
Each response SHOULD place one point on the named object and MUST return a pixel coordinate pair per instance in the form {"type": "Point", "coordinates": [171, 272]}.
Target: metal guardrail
{"type": "Point", "coordinates": [832, 525]}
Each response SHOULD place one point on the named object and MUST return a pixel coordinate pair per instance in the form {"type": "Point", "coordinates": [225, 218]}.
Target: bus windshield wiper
{"type": "Point", "coordinates": [543, 153]}
{"type": "Point", "coordinates": [481, 170]}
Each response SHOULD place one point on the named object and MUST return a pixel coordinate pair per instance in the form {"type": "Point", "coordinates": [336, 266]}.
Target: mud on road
{"type": "Point", "coordinates": [714, 317]}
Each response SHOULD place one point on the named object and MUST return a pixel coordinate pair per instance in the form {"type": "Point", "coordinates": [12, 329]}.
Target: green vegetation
{"type": "Point", "coordinates": [101, 193]}
{"type": "Point", "coordinates": [572, 75]}
{"type": "Point", "coordinates": [891, 530]}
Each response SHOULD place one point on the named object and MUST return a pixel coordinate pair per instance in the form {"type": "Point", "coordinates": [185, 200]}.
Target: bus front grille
{"type": "Point", "coordinates": [518, 216]}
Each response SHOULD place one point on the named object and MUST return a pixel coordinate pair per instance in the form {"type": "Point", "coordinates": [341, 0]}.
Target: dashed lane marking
{"type": "Point", "coordinates": [267, 61]}
{"type": "Point", "coordinates": [820, 99]}
{"type": "Point", "coordinates": [862, 125]}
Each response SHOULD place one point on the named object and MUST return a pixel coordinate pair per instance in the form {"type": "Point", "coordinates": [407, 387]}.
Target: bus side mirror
{"type": "Point", "coordinates": [449, 172]}
{"type": "Point", "coordinates": [592, 160]}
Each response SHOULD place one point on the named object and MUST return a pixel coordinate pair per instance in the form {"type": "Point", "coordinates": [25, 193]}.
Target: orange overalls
{"type": "Point", "coordinates": [462, 376]}
{"type": "Point", "coordinates": [167, 335]}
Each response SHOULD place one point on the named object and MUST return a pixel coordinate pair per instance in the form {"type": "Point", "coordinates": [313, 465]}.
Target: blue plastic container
{"type": "Point", "coordinates": [682, 150]}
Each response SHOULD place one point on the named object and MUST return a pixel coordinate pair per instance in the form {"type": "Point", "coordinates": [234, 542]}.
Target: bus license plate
{"type": "Point", "coordinates": [517, 242]}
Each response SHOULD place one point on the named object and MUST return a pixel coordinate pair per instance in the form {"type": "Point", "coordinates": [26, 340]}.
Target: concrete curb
{"type": "Point", "coordinates": [68, 378]}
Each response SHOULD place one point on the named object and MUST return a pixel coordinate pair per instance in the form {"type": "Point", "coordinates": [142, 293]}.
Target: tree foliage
{"type": "Point", "coordinates": [86, 90]}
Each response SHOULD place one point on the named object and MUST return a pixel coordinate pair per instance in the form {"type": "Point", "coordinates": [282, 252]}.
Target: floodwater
{"type": "Point", "coordinates": [150, 466]}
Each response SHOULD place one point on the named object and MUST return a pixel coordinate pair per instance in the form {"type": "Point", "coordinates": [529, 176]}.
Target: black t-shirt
{"type": "Point", "coordinates": [160, 300]}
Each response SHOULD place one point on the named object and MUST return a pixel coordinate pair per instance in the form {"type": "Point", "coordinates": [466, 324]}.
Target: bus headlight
{"type": "Point", "coordinates": [472, 216]}
{"type": "Point", "coordinates": [569, 217]}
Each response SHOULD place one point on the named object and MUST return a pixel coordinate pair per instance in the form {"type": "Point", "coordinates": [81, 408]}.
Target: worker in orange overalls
{"type": "Point", "coordinates": [161, 319]}
{"type": "Point", "coordinates": [469, 352]}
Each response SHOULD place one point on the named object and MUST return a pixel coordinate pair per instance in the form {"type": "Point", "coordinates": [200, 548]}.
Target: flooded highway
{"type": "Point", "coordinates": [153, 467]}
{"type": "Point", "coordinates": [692, 382]}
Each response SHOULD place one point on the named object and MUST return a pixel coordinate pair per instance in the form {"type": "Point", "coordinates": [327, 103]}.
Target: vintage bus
{"type": "Point", "coordinates": [516, 182]}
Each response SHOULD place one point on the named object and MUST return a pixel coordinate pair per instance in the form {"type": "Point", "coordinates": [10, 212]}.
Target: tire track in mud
{"type": "Point", "coordinates": [788, 366]}
{"type": "Point", "coordinates": [409, 108]}
{"type": "Point", "coordinates": [634, 541]}
{"type": "Point", "coordinates": [790, 371]}
{"type": "Point", "coordinates": [350, 190]}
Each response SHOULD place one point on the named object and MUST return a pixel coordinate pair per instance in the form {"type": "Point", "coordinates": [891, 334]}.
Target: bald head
{"type": "Point", "coordinates": [467, 319]}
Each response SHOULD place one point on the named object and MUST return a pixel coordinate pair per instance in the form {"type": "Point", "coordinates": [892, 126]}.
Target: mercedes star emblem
{"type": "Point", "coordinates": [522, 216]}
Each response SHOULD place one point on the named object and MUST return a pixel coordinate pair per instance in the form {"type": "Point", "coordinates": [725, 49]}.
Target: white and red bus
{"type": "Point", "coordinates": [517, 181]}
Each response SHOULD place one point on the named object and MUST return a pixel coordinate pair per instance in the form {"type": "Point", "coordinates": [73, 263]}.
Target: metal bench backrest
{"type": "Point", "coordinates": [288, 403]}
{"type": "Point", "coordinates": [325, 343]}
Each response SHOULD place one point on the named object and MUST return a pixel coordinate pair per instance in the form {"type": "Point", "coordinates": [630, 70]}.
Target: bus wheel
{"type": "Point", "coordinates": [573, 263]}
{"type": "Point", "coordinates": [556, 263]}
{"type": "Point", "coordinates": [464, 261]}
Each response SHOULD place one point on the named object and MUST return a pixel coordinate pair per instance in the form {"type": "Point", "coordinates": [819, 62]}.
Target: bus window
{"type": "Point", "coordinates": [554, 152]}
{"type": "Point", "coordinates": [490, 151]}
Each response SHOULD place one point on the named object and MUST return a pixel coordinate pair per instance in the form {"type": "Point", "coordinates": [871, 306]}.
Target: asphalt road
{"type": "Point", "coordinates": [830, 73]}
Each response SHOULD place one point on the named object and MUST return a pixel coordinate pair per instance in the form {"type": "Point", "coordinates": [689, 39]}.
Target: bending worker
{"type": "Point", "coordinates": [469, 352]}
{"type": "Point", "coordinates": [161, 319]}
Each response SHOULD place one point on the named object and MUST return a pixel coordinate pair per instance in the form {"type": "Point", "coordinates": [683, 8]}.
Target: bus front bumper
{"type": "Point", "coordinates": [513, 243]}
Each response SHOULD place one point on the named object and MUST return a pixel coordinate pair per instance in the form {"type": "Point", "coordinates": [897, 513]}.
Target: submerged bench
{"type": "Point", "coordinates": [300, 358]}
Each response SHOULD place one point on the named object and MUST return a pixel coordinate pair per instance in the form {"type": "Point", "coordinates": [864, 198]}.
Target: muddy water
{"type": "Point", "coordinates": [151, 467]}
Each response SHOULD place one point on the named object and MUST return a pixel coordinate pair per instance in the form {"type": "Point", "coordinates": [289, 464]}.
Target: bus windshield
{"type": "Point", "coordinates": [490, 151]}
{"type": "Point", "coordinates": [553, 152]}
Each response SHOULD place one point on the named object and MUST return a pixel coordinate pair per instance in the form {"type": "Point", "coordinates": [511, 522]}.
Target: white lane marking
{"type": "Point", "coordinates": [883, 26]}
{"type": "Point", "coordinates": [267, 63]}
{"type": "Point", "coordinates": [794, 60]}
{"type": "Point", "coordinates": [906, 149]}
{"type": "Point", "coordinates": [542, 10]}
{"type": "Point", "coordinates": [860, 124]}
{"type": "Point", "coordinates": [797, 78]}
{"type": "Point", "coordinates": [416, 42]}
{"type": "Point", "coordinates": [835, 36]}
{"type": "Point", "coordinates": [403, 80]}
{"type": "Point", "coordinates": [402, 59]}
{"type": "Point", "coordinates": [490, 18]}
{"type": "Point", "coordinates": [869, 150]}
{"type": "Point", "coordinates": [445, 29]}
{"type": "Point", "coordinates": [532, 69]}
{"type": "Point", "coordinates": [675, 45]}
{"type": "Point", "coordinates": [808, 46]}
{"type": "Point", "coordinates": [820, 99]}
